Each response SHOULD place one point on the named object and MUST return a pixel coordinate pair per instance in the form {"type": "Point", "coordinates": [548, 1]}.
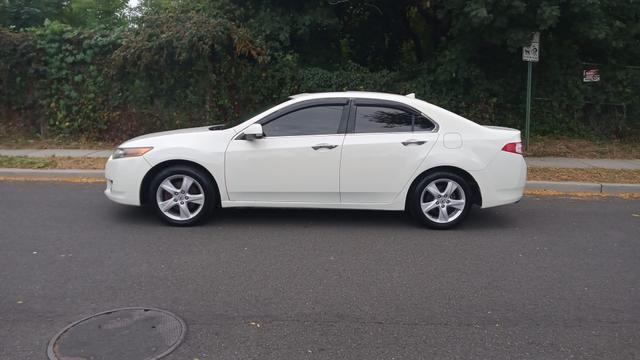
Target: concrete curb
{"type": "Point", "coordinates": [606, 188]}
{"type": "Point", "coordinates": [565, 186]}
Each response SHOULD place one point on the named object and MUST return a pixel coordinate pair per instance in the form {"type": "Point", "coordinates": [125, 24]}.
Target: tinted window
{"type": "Point", "coordinates": [377, 119]}
{"type": "Point", "coordinates": [318, 120]}
{"type": "Point", "coordinates": [423, 124]}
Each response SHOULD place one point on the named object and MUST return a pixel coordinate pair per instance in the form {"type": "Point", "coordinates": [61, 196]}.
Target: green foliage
{"type": "Point", "coordinates": [90, 13]}
{"type": "Point", "coordinates": [22, 14]}
{"type": "Point", "coordinates": [188, 63]}
{"type": "Point", "coordinates": [73, 77]}
{"type": "Point", "coordinates": [98, 69]}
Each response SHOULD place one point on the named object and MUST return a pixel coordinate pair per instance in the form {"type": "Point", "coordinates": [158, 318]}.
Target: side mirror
{"type": "Point", "coordinates": [254, 131]}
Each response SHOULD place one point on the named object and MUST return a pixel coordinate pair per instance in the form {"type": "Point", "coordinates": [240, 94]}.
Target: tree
{"type": "Point", "coordinates": [90, 13]}
{"type": "Point", "coordinates": [21, 14]}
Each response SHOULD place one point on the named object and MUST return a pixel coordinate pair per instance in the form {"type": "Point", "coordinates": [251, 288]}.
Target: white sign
{"type": "Point", "coordinates": [591, 75]}
{"type": "Point", "coordinates": [532, 52]}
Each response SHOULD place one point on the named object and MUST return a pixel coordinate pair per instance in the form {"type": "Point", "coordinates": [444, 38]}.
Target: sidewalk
{"type": "Point", "coordinates": [531, 161]}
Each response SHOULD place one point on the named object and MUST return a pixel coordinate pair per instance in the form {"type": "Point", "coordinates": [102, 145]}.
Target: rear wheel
{"type": "Point", "coordinates": [441, 200]}
{"type": "Point", "coordinates": [182, 195]}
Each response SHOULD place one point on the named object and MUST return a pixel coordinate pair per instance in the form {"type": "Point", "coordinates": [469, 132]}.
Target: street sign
{"type": "Point", "coordinates": [531, 53]}
{"type": "Point", "coordinates": [591, 75]}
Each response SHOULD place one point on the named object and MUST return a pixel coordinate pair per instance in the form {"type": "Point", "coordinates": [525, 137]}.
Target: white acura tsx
{"type": "Point", "coordinates": [344, 150]}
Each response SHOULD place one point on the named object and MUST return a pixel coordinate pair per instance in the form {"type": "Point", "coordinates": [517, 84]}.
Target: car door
{"type": "Point", "coordinates": [385, 143]}
{"type": "Point", "coordinates": [297, 160]}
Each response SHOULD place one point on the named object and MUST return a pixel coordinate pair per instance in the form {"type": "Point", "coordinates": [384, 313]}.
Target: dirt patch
{"type": "Point", "coordinates": [24, 162]}
{"type": "Point", "coordinates": [594, 175]}
{"type": "Point", "coordinates": [581, 148]}
{"type": "Point", "coordinates": [80, 163]}
{"type": "Point", "coordinates": [16, 142]}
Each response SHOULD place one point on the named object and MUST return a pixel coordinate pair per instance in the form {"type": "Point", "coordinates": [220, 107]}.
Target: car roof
{"type": "Point", "coordinates": [436, 113]}
{"type": "Point", "coordinates": [356, 94]}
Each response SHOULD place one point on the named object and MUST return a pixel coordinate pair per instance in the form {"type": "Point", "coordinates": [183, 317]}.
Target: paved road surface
{"type": "Point", "coordinates": [547, 278]}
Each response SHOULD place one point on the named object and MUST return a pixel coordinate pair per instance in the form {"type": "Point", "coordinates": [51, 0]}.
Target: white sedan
{"type": "Point", "coordinates": [344, 150]}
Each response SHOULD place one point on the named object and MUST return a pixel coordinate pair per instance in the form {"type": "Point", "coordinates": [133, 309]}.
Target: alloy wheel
{"type": "Point", "coordinates": [442, 201]}
{"type": "Point", "coordinates": [180, 197]}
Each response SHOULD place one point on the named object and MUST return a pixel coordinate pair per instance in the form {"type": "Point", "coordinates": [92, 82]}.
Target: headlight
{"type": "Point", "coordinates": [130, 152]}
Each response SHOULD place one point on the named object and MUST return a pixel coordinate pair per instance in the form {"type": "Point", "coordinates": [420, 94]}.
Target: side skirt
{"type": "Point", "coordinates": [354, 206]}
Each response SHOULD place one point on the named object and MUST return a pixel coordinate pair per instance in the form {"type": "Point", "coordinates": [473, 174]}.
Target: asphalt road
{"type": "Point", "coordinates": [547, 278]}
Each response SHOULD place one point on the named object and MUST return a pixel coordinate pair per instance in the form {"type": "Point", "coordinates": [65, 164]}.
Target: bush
{"type": "Point", "coordinates": [185, 66]}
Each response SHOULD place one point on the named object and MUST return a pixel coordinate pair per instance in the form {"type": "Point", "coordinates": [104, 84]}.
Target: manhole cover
{"type": "Point", "coordinates": [130, 333]}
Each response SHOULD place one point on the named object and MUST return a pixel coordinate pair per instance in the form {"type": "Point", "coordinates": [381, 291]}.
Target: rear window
{"type": "Point", "coordinates": [380, 119]}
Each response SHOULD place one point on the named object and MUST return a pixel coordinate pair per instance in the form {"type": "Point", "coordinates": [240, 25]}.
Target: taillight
{"type": "Point", "coordinates": [514, 147]}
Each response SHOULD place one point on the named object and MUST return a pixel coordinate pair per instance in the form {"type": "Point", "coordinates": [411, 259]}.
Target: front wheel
{"type": "Point", "coordinates": [182, 195]}
{"type": "Point", "coordinates": [441, 200]}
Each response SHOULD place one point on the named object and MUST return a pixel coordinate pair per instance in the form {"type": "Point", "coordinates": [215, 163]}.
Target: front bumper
{"type": "Point", "coordinates": [124, 178]}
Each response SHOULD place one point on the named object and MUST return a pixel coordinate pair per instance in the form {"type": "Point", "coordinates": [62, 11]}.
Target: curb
{"type": "Point", "coordinates": [605, 188]}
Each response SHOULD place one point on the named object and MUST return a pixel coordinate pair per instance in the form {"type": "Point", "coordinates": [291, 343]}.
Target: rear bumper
{"type": "Point", "coordinates": [124, 177]}
{"type": "Point", "coordinates": [503, 180]}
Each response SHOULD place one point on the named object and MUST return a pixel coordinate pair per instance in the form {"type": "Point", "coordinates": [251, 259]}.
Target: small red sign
{"type": "Point", "coordinates": [591, 75]}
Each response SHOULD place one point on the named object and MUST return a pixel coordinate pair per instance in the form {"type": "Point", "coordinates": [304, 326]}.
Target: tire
{"type": "Point", "coordinates": [181, 204]}
{"type": "Point", "coordinates": [444, 207]}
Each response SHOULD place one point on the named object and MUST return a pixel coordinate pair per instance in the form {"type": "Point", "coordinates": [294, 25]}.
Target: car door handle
{"type": "Point", "coordinates": [413, 142]}
{"type": "Point", "coordinates": [324, 146]}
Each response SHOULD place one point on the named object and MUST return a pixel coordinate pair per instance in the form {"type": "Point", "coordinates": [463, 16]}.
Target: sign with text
{"type": "Point", "coordinates": [531, 53]}
{"type": "Point", "coordinates": [591, 75]}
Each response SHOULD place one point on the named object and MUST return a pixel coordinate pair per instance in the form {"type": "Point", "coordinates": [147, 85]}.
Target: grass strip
{"type": "Point", "coordinates": [590, 175]}
{"type": "Point", "coordinates": [24, 162]}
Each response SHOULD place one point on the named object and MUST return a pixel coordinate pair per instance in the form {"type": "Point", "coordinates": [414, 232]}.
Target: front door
{"type": "Point", "coordinates": [298, 159]}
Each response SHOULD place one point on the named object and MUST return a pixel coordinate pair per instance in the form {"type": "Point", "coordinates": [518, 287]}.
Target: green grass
{"type": "Point", "coordinates": [23, 162]}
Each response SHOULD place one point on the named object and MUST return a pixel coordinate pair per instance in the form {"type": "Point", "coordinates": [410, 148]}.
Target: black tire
{"type": "Point", "coordinates": [202, 183]}
{"type": "Point", "coordinates": [419, 194]}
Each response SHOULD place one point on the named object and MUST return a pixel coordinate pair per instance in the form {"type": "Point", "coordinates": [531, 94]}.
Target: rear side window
{"type": "Point", "coordinates": [379, 119]}
{"type": "Point", "coordinates": [317, 120]}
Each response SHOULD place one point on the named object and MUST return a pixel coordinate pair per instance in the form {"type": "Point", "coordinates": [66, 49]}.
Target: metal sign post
{"type": "Point", "coordinates": [530, 54]}
{"type": "Point", "coordinates": [527, 129]}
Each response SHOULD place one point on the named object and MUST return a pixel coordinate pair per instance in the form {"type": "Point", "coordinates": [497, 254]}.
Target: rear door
{"type": "Point", "coordinates": [384, 145]}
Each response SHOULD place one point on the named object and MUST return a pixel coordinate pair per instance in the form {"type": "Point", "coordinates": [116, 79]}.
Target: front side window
{"type": "Point", "coordinates": [317, 120]}
{"type": "Point", "coordinates": [378, 119]}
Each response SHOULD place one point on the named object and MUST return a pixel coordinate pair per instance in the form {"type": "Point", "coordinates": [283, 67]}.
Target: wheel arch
{"type": "Point", "coordinates": [148, 177]}
{"type": "Point", "coordinates": [475, 188]}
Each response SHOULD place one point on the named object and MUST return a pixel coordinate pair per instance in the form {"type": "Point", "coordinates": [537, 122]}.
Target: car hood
{"type": "Point", "coordinates": [182, 137]}
{"type": "Point", "coordinates": [169, 133]}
